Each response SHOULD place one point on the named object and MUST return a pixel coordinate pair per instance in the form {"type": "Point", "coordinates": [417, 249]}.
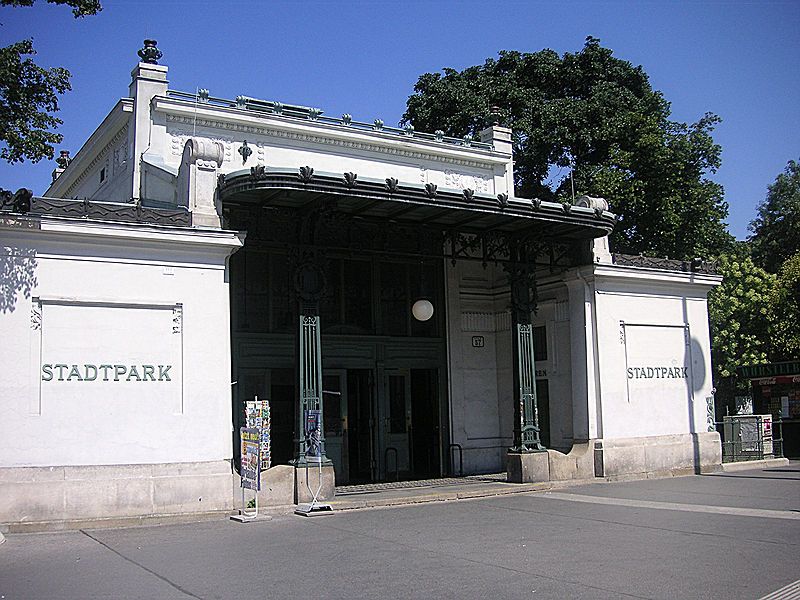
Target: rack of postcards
{"type": "Point", "coordinates": [257, 416]}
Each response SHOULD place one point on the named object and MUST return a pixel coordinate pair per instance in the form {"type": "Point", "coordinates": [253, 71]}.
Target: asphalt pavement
{"type": "Point", "coordinates": [726, 535]}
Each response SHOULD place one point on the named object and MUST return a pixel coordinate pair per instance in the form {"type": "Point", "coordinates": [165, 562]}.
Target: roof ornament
{"type": "Point", "coordinates": [19, 202]}
{"type": "Point", "coordinates": [347, 119]}
{"type": "Point", "coordinates": [408, 130]}
{"type": "Point", "coordinates": [150, 52]}
{"type": "Point", "coordinates": [306, 174]}
{"type": "Point", "coordinates": [202, 95]}
{"type": "Point", "coordinates": [350, 179]}
{"type": "Point", "coordinates": [63, 159]}
{"type": "Point", "coordinates": [494, 116]}
{"type": "Point", "coordinates": [592, 202]}
{"type": "Point", "coordinates": [377, 124]}
{"type": "Point", "coordinates": [245, 151]}
{"type": "Point", "coordinates": [391, 184]}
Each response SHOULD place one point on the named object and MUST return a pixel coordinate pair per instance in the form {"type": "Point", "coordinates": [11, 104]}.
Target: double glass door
{"type": "Point", "coordinates": [382, 424]}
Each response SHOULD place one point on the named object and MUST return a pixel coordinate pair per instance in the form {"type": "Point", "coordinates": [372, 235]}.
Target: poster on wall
{"type": "Point", "coordinates": [658, 363]}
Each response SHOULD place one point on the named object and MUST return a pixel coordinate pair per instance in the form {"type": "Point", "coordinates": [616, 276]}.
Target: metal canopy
{"type": "Point", "coordinates": [390, 201]}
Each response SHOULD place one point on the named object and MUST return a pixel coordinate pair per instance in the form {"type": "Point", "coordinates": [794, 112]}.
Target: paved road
{"type": "Point", "coordinates": [726, 536]}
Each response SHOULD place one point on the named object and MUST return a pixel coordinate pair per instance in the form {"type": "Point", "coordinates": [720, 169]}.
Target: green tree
{"type": "Point", "coordinates": [596, 116]}
{"type": "Point", "coordinates": [786, 310]}
{"type": "Point", "coordinates": [29, 94]}
{"type": "Point", "coordinates": [776, 229]}
{"type": "Point", "coordinates": [740, 313]}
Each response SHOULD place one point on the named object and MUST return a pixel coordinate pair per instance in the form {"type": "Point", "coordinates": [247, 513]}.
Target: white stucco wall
{"type": "Point", "coordinates": [650, 369]}
{"type": "Point", "coordinates": [113, 294]}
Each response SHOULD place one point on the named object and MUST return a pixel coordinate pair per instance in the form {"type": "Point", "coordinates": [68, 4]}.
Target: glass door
{"type": "Point", "coordinates": [334, 397]}
{"type": "Point", "coordinates": [394, 409]}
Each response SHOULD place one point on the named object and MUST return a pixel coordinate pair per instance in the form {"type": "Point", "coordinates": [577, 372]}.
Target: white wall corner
{"type": "Point", "coordinates": [586, 411]}
{"type": "Point", "coordinates": [197, 181]}
{"type": "Point", "coordinates": [601, 251]}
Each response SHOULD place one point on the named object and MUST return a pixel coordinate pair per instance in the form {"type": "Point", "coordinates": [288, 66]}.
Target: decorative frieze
{"type": "Point", "coordinates": [313, 139]}
{"type": "Point", "coordinates": [177, 319]}
{"type": "Point", "coordinates": [489, 322]}
{"type": "Point", "coordinates": [561, 310]}
{"type": "Point", "coordinates": [476, 183]}
{"type": "Point", "coordinates": [36, 314]}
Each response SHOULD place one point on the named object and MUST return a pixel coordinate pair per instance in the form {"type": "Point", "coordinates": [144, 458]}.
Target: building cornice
{"type": "Point", "coordinates": [639, 275]}
{"type": "Point", "coordinates": [246, 122]}
{"type": "Point", "coordinates": [96, 148]}
{"type": "Point", "coordinates": [71, 229]}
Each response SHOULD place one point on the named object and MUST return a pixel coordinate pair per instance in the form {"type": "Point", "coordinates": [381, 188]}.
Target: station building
{"type": "Point", "coordinates": [199, 252]}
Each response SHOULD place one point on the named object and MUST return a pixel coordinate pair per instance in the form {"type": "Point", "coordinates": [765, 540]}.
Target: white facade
{"type": "Point", "coordinates": [116, 392]}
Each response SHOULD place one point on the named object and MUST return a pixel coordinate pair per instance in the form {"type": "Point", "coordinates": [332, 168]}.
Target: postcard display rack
{"type": "Point", "coordinates": [255, 453]}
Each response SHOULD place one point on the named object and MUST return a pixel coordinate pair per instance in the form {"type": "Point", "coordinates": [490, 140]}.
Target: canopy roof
{"type": "Point", "coordinates": [403, 203]}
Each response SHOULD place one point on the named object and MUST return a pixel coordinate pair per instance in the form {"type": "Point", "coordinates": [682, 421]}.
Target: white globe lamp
{"type": "Point", "coordinates": [422, 309]}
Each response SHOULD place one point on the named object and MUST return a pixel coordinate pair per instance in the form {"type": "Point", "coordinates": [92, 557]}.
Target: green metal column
{"type": "Point", "coordinates": [309, 285]}
{"type": "Point", "coordinates": [310, 372]}
{"type": "Point", "coordinates": [526, 413]}
{"type": "Point", "coordinates": [523, 305]}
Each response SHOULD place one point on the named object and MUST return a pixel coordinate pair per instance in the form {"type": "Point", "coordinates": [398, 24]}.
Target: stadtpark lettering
{"type": "Point", "coordinates": [658, 372]}
{"type": "Point", "coordinates": [65, 372]}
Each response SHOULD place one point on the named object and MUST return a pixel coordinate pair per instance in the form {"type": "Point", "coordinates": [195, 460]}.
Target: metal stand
{"type": "Point", "coordinates": [314, 508]}
{"type": "Point", "coordinates": [244, 516]}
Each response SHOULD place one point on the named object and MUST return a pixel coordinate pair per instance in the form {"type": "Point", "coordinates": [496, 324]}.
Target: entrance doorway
{"type": "Point", "coordinates": [382, 424]}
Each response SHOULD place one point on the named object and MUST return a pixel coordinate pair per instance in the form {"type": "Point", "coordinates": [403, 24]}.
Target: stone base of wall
{"type": "Point", "coordinates": [577, 464]}
{"type": "Point", "coordinates": [76, 493]}
{"type": "Point", "coordinates": [681, 454]}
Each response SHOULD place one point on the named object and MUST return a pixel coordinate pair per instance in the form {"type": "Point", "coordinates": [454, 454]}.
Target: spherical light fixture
{"type": "Point", "coordinates": [422, 309]}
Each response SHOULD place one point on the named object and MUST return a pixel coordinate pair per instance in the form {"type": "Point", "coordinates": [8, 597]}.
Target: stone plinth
{"type": "Point", "coordinates": [277, 486]}
{"type": "Point", "coordinates": [528, 467]}
{"type": "Point", "coordinates": [301, 494]}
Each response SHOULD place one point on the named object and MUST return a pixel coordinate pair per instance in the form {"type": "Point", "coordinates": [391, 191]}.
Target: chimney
{"type": "Point", "coordinates": [500, 138]}
{"type": "Point", "coordinates": [148, 79]}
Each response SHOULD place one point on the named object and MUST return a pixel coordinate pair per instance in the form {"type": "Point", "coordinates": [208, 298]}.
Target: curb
{"type": "Point", "coordinates": [453, 495]}
{"type": "Point", "coordinates": [750, 465]}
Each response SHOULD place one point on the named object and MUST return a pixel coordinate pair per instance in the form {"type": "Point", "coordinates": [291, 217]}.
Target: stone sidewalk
{"type": "Point", "coordinates": [726, 535]}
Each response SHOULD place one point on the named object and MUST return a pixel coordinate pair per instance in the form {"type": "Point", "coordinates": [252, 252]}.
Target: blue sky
{"type": "Point", "coordinates": [740, 60]}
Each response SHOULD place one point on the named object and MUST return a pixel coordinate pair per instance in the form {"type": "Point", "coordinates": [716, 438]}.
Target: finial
{"type": "Point", "coordinates": [63, 159]}
{"type": "Point", "coordinates": [150, 53]}
{"type": "Point", "coordinates": [494, 115]}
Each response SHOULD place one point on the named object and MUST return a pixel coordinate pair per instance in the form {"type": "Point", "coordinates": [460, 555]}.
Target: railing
{"type": "Point", "coordinates": [750, 437]}
{"type": "Point", "coordinates": [315, 114]}
{"type": "Point", "coordinates": [460, 459]}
